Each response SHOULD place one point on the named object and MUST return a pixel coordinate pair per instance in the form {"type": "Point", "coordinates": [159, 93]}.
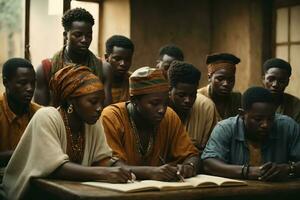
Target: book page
{"type": "Point", "coordinates": [163, 185]}
{"type": "Point", "coordinates": [202, 180]}
{"type": "Point", "coordinates": [123, 187]}
{"type": "Point", "coordinates": [145, 185]}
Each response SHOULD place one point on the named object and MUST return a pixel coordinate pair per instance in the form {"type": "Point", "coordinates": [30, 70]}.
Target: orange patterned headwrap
{"type": "Point", "coordinates": [147, 80]}
{"type": "Point", "coordinates": [221, 64]}
{"type": "Point", "coordinates": [73, 81]}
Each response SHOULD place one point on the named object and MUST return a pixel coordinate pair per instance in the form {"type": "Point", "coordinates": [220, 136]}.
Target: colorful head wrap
{"type": "Point", "coordinates": [219, 61]}
{"type": "Point", "coordinates": [147, 80]}
{"type": "Point", "coordinates": [73, 81]}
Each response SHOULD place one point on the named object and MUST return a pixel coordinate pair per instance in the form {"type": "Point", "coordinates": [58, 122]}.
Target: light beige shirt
{"type": "Point", "coordinates": [42, 149]}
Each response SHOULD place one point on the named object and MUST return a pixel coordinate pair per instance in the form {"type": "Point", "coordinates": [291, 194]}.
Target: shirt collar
{"type": "Point", "coordinates": [8, 112]}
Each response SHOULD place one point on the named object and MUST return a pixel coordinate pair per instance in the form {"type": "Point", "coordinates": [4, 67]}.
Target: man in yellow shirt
{"type": "Point", "coordinates": [16, 108]}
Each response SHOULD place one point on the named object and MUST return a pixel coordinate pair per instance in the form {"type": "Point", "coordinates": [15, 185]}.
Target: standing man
{"type": "Point", "coordinates": [257, 144]}
{"type": "Point", "coordinates": [119, 52]}
{"type": "Point", "coordinates": [196, 111]}
{"type": "Point", "coordinates": [221, 77]}
{"type": "Point", "coordinates": [78, 31]}
{"type": "Point", "coordinates": [168, 54]}
{"type": "Point", "coordinates": [276, 78]}
{"type": "Point", "coordinates": [16, 108]}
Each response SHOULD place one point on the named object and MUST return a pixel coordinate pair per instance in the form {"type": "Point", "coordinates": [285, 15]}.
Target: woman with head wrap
{"type": "Point", "coordinates": [147, 136]}
{"type": "Point", "coordinates": [64, 142]}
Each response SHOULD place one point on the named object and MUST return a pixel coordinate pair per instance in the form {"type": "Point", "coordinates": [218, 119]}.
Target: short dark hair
{"type": "Point", "coordinates": [11, 65]}
{"type": "Point", "coordinates": [182, 72]}
{"type": "Point", "coordinates": [277, 63]}
{"type": "Point", "coordinates": [256, 94]}
{"type": "Point", "coordinates": [119, 41]}
{"type": "Point", "coordinates": [171, 50]}
{"type": "Point", "coordinates": [76, 14]}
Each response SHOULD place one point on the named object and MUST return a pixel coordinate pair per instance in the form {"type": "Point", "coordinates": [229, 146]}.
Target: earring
{"type": "Point", "coordinates": [70, 109]}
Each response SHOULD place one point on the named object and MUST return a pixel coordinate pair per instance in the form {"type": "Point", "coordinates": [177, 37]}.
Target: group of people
{"type": "Point", "coordinates": [94, 120]}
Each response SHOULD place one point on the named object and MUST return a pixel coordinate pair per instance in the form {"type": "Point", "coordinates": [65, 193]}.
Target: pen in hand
{"type": "Point", "coordinates": [178, 174]}
{"type": "Point", "coordinates": [181, 179]}
{"type": "Point", "coordinates": [133, 177]}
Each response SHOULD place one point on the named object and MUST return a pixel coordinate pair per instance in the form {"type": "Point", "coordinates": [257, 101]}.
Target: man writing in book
{"type": "Point", "coordinates": [257, 144]}
{"type": "Point", "coordinates": [147, 136]}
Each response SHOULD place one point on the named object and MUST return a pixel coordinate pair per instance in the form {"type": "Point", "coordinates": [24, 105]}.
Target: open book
{"type": "Point", "coordinates": [145, 185]}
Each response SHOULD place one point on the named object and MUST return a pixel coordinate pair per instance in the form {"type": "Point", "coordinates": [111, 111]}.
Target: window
{"type": "Point", "coordinates": [12, 31]}
{"type": "Point", "coordinates": [287, 42]}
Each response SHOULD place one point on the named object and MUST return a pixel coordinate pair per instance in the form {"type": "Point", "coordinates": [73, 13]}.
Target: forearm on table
{"type": "Point", "coordinates": [72, 171]}
{"type": "Point", "coordinates": [193, 161]}
{"type": "Point", "coordinates": [141, 172]}
{"type": "Point", "coordinates": [219, 168]}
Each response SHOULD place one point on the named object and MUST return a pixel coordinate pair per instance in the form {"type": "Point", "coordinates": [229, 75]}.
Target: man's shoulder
{"type": "Point", "coordinates": [229, 122]}
{"type": "Point", "coordinates": [34, 106]}
{"type": "Point", "coordinates": [202, 99]}
{"type": "Point", "coordinates": [236, 95]}
{"type": "Point", "coordinates": [291, 99]}
{"type": "Point", "coordinates": [203, 104]}
{"type": "Point", "coordinates": [114, 108]}
{"type": "Point", "coordinates": [203, 90]}
{"type": "Point", "coordinates": [283, 120]}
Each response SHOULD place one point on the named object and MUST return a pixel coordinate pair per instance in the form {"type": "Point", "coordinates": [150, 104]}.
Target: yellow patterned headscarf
{"type": "Point", "coordinates": [213, 67]}
{"type": "Point", "coordinates": [147, 80]}
{"type": "Point", "coordinates": [73, 81]}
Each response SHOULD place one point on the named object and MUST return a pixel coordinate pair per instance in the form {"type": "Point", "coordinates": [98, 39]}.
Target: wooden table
{"type": "Point", "coordinates": [56, 189]}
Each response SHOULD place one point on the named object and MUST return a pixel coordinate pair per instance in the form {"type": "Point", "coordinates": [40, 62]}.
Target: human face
{"type": "Point", "coordinates": [79, 37]}
{"type": "Point", "coordinates": [120, 59]}
{"type": "Point", "coordinates": [276, 80]}
{"type": "Point", "coordinates": [222, 82]}
{"type": "Point", "coordinates": [20, 87]}
{"type": "Point", "coordinates": [259, 120]}
{"type": "Point", "coordinates": [89, 107]}
{"type": "Point", "coordinates": [183, 97]}
{"type": "Point", "coordinates": [152, 107]}
{"type": "Point", "coordinates": [164, 63]}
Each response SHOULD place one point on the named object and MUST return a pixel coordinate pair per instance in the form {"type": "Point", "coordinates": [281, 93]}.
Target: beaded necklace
{"type": "Point", "coordinates": [142, 151]}
{"type": "Point", "coordinates": [75, 143]}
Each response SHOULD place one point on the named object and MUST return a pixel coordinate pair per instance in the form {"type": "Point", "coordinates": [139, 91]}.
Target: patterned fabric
{"type": "Point", "coordinates": [120, 92]}
{"type": "Point", "coordinates": [147, 80]}
{"type": "Point", "coordinates": [60, 60]}
{"type": "Point", "coordinates": [215, 66]}
{"type": "Point", "coordinates": [171, 141]}
{"type": "Point", "coordinates": [74, 81]}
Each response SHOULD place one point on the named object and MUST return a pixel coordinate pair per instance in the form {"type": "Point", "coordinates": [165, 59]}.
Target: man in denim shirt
{"type": "Point", "coordinates": [257, 144]}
